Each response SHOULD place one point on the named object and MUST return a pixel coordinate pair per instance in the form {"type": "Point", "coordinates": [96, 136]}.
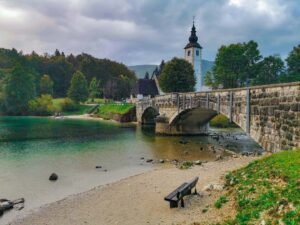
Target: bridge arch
{"type": "Point", "coordinates": [270, 114]}
{"type": "Point", "coordinates": [149, 115]}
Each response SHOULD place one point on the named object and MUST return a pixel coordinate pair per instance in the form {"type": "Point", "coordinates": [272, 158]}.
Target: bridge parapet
{"type": "Point", "coordinates": [270, 114]}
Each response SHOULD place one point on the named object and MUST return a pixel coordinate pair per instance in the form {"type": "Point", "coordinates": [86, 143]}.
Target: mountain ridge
{"type": "Point", "coordinates": [140, 70]}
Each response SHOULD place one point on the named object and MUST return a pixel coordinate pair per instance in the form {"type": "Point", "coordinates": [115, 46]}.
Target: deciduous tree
{"type": "Point", "coordinates": [177, 76]}
{"type": "Point", "coordinates": [19, 90]}
{"type": "Point", "coordinates": [78, 90]}
{"type": "Point", "coordinates": [46, 85]}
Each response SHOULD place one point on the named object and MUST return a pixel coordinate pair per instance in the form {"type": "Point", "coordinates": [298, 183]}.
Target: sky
{"type": "Point", "coordinates": [147, 31]}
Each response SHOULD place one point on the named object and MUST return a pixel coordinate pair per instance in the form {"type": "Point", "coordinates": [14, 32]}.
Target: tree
{"type": "Point", "coordinates": [161, 66]}
{"type": "Point", "coordinates": [269, 70]}
{"type": "Point", "coordinates": [46, 85]}
{"type": "Point", "coordinates": [94, 89]}
{"type": "Point", "coordinates": [235, 64]}
{"type": "Point", "coordinates": [78, 90]}
{"type": "Point", "coordinates": [19, 90]}
{"type": "Point", "coordinates": [293, 62]}
{"type": "Point", "coordinates": [41, 106]}
{"type": "Point", "coordinates": [177, 76]}
{"type": "Point", "coordinates": [209, 80]}
{"type": "Point", "coordinates": [147, 75]}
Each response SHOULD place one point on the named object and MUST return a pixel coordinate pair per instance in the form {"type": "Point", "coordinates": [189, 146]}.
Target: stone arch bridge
{"type": "Point", "coordinates": [269, 114]}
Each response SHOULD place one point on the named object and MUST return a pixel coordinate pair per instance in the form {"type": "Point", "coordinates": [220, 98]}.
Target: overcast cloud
{"type": "Point", "coordinates": [146, 31]}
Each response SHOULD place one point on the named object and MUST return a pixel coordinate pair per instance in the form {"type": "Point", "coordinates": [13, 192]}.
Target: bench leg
{"type": "Point", "coordinates": [182, 203]}
{"type": "Point", "coordinates": [195, 193]}
{"type": "Point", "coordinates": [173, 204]}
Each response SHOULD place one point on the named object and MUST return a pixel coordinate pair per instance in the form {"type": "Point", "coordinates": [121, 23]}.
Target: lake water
{"type": "Point", "coordinates": [31, 148]}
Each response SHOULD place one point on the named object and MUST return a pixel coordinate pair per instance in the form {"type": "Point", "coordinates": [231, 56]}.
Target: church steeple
{"type": "Point", "coordinates": [193, 54]}
{"type": "Point", "coordinates": [193, 39]}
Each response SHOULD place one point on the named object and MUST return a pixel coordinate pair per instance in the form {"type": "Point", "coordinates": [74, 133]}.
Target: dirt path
{"type": "Point", "coordinates": [139, 200]}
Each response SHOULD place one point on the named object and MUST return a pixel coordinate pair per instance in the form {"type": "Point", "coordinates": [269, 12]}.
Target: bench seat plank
{"type": "Point", "coordinates": [184, 189]}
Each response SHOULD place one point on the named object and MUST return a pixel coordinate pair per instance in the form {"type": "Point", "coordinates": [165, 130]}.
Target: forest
{"type": "Point", "coordinates": [111, 76]}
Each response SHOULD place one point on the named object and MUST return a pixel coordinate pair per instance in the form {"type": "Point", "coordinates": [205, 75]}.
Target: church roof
{"type": "Point", "coordinates": [193, 39]}
{"type": "Point", "coordinates": [145, 87]}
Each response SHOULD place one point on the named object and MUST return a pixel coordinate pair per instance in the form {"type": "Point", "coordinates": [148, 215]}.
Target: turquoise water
{"type": "Point", "coordinates": [31, 148]}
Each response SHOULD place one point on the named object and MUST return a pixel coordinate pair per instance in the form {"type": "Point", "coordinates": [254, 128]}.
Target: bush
{"type": "Point", "coordinates": [68, 105]}
{"type": "Point", "coordinates": [221, 121]}
{"type": "Point", "coordinates": [41, 106]}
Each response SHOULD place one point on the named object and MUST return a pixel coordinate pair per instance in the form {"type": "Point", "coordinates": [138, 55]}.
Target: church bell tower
{"type": "Point", "coordinates": [193, 54]}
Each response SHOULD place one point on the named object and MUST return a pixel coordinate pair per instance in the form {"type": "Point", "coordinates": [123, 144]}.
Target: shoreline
{"type": "Point", "coordinates": [138, 199]}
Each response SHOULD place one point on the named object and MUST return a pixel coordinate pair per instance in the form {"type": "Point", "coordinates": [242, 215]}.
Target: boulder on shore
{"type": "Point", "coordinates": [53, 177]}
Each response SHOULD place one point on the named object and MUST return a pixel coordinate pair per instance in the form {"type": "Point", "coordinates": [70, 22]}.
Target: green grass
{"type": "Point", "coordinates": [221, 121]}
{"type": "Point", "coordinates": [221, 201]}
{"type": "Point", "coordinates": [82, 109]}
{"type": "Point", "coordinates": [267, 189]}
{"type": "Point", "coordinates": [99, 101]}
{"type": "Point", "coordinates": [57, 102]}
{"type": "Point", "coordinates": [106, 110]}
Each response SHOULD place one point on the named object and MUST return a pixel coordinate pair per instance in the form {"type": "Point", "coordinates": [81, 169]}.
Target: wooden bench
{"type": "Point", "coordinates": [184, 189]}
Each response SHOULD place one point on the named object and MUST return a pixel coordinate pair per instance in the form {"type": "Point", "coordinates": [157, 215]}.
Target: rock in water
{"type": "Point", "coordinates": [1, 212]}
{"type": "Point", "coordinates": [149, 160]}
{"type": "Point", "coordinates": [98, 167]}
{"type": "Point", "coordinates": [53, 177]}
{"type": "Point", "coordinates": [162, 161]}
{"type": "Point", "coordinates": [198, 162]}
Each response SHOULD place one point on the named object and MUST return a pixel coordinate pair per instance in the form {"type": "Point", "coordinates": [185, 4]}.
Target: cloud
{"type": "Point", "coordinates": [146, 31]}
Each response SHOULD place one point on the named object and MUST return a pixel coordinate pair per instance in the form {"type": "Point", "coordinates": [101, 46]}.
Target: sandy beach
{"type": "Point", "coordinates": [140, 199]}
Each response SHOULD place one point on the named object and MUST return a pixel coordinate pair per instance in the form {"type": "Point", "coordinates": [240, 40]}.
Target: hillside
{"type": "Point", "coordinates": [140, 70]}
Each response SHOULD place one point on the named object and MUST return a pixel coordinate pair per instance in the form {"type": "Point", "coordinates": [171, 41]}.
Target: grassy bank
{"type": "Point", "coordinates": [80, 109]}
{"type": "Point", "coordinates": [221, 121]}
{"type": "Point", "coordinates": [107, 110]}
{"type": "Point", "coordinates": [266, 192]}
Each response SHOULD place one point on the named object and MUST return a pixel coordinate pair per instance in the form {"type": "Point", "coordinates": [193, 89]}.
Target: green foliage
{"type": "Point", "coordinates": [234, 64]}
{"type": "Point", "coordinates": [106, 110]}
{"type": "Point", "coordinates": [78, 90]}
{"type": "Point", "coordinates": [177, 76]}
{"type": "Point", "coordinates": [221, 201]}
{"type": "Point", "coordinates": [94, 89]}
{"type": "Point", "coordinates": [46, 85]}
{"type": "Point", "coordinates": [19, 90]}
{"type": "Point", "coordinates": [41, 106]}
{"type": "Point", "coordinates": [186, 165]}
{"type": "Point", "coordinates": [267, 189]}
{"type": "Point", "coordinates": [60, 69]}
{"type": "Point", "coordinates": [221, 121]}
{"type": "Point", "coordinates": [269, 70]}
{"type": "Point", "coordinates": [68, 105]}
{"type": "Point", "coordinates": [293, 61]}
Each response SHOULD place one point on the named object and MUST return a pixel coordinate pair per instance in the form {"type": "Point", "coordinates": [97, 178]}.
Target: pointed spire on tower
{"type": "Point", "coordinates": [193, 39]}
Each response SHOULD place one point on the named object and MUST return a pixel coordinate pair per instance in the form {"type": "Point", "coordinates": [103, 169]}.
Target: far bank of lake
{"type": "Point", "coordinates": [31, 148]}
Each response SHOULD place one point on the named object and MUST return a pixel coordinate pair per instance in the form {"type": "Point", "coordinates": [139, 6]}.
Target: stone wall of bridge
{"type": "Point", "coordinates": [269, 114]}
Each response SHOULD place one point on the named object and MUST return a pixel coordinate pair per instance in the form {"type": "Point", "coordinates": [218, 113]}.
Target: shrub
{"type": "Point", "coordinates": [221, 121]}
{"type": "Point", "coordinates": [68, 105]}
{"type": "Point", "coordinates": [41, 106]}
